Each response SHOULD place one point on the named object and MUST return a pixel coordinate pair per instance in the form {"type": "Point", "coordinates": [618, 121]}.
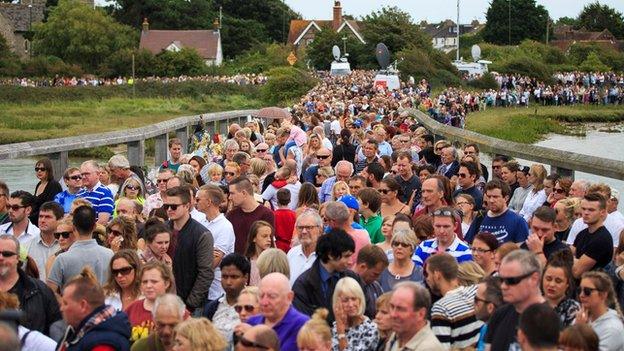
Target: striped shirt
{"type": "Point", "coordinates": [453, 318]}
{"type": "Point", "coordinates": [458, 249]}
{"type": "Point", "coordinates": [101, 198]}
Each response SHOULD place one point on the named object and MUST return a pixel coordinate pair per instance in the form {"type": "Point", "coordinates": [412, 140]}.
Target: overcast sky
{"type": "Point", "coordinates": [435, 11]}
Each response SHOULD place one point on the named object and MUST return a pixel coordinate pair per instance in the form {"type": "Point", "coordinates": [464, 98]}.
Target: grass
{"type": "Point", "coordinates": [529, 125]}
{"type": "Point", "coordinates": [35, 121]}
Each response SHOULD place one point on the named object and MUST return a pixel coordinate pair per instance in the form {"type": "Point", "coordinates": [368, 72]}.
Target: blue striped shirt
{"type": "Point", "coordinates": [458, 249]}
{"type": "Point", "coordinates": [101, 198]}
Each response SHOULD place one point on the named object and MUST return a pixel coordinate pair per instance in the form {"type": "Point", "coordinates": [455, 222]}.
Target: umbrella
{"type": "Point", "coordinates": [273, 113]}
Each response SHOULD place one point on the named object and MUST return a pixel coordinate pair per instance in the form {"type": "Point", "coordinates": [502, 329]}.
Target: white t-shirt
{"type": "Point", "coordinates": [35, 341]}
{"type": "Point", "coordinates": [613, 224]}
{"type": "Point", "coordinates": [223, 235]}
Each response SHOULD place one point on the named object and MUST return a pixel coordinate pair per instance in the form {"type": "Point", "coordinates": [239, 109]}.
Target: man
{"type": "Point", "coordinates": [497, 163]}
{"type": "Point", "coordinates": [37, 301]}
{"type": "Point", "coordinates": [235, 271]}
{"type": "Point", "coordinates": [155, 201]}
{"type": "Point", "coordinates": [92, 325]}
{"type": "Point", "coordinates": [315, 287]}
{"type": "Point", "coordinates": [356, 183]}
{"type": "Point", "coordinates": [308, 227]}
{"type": "Point", "coordinates": [612, 205]}
{"type": "Point", "coordinates": [208, 199]}
{"type": "Point", "coordinates": [538, 329]}
{"type": "Point", "coordinates": [373, 174]}
{"type": "Point", "coordinates": [371, 262]}
{"type": "Point", "coordinates": [277, 311]}
{"type": "Point", "coordinates": [426, 154]}
{"type": "Point", "coordinates": [520, 275]}
{"type": "Point", "coordinates": [73, 181]}
{"type": "Point", "coordinates": [406, 178]}
{"type": "Point", "coordinates": [450, 165]}
{"type": "Point", "coordinates": [542, 241]}
{"type": "Point", "coordinates": [453, 318]}
{"type": "Point", "coordinates": [231, 147]}
{"type": "Point", "coordinates": [433, 199]}
{"type": "Point", "coordinates": [473, 150]}
{"type": "Point", "coordinates": [242, 160]}
{"type": "Point", "coordinates": [4, 200]}
{"type": "Point", "coordinates": [191, 249]}
{"type": "Point", "coordinates": [41, 248]}
{"type": "Point", "coordinates": [466, 179]}
{"type": "Point", "coordinates": [324, 157]}
{"type": "Point", "coordinates": [503, 223]}
{"type": "Point", "coordinates": [370, 203]}
{"type": "Point", "coordinates": [232, 129]}
{"type": "Point", "coordinates": [369, 148]}
{"type": "Point", "coordinates": [343, 170]}
{"type": "Point", "coordinates": [445, 240]}
{"type": "Point", "coordinates": [338, 216]}
{"type": "Point", "coordinates": [593, 246]}
{"type": "Point", "coordinates": [259, 337]}
{"type": "Point", "coordinates": [382, 145]}
{"type": "Point", "coordinates": [409, 306]}
{"type": "Point", "coordinates": [175, 153]}
{"type": "Point", "coordinates": [579, 188]}
{"type": "Point", "coordinates": [85, 251]}
{"type": "Point", "coordinates": [20, 207]}
{"type": "Point", "coordinates": [281, 136]}
{"type": "Point", "coordinates": [487, 299]}
{"type": "Point", "coordinates": [120, 168]}
{"type": "Point", "coordinates": [246, 210]}
{"type": "Point", "coordinates": [168, 312]}
{"type": "Point", "coordinates": [96, 193]}
{"type": "Point", "coordinates": [283, 180]}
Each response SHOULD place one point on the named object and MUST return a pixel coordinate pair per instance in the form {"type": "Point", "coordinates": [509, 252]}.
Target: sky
{"type": "Point", "coordinates": [435, 11]}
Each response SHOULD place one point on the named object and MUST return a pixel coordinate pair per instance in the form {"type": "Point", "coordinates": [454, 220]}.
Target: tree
{"type": "Point", "coordinates": [394, 28]}
{"type": "Point", "coordinates": [593, 64]}
{"type": "Point", "coordinates": [80, 35]}
{"type": "Point", "coordinates": [320, 50]}
{"type": "Point", "coordinates": [566, 21]}
{"type": "Point", "coordinates": [184, 62]}
{"type": "Point", "coordinates": [239, 35]}
{"type": "Point", "coordinates": [597, 17]}
{"type": "Point", "coordinates": [508, 22]}
{"type": "Point", "coordinates": [165, 14]}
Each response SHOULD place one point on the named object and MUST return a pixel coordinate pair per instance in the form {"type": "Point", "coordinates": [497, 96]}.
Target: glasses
{"type": "Point", "coordinates": [171, 207]}
{"type": "Point", "coordinates": [247, 308]}
{"type": "Point", "coordinates": [306, 227]}
{"type": "Point", "coordinates": [162, 180]}
{"type": "Point", "coordinates": [322, 157]}
{"type": "Point", "coordinates": [397, 244]}
{"type": "Point", "coordinates": [132, 187]}
{"type": "Point", "coordinates": [586, 291]}
{"type": "Point", "coordinates": [114, 232]}
{"type": "Point", "coordinates": [15, 207]}
{"type": "Point", "coordinates": [261, 150]}
{"type": "Point", "coordinates": [515, 280]}
{"type": "Point", "coordinates": [462, 175]}
{"type": "Point", "coordinates": [249, 343]}
{"type": "Point", "coordinates": [75, 177]}
{"type": "Point", "coordinates": [7, 254]}
{"type": "Point", "coordinates": [559, 191]}
{"type": "Point", "coordinates": [40, 169]}
{"type": "Point", "coordinates": [478, 299]}
{"type": "Point", "coordinates": [462, 203]}
{"type": "Point", "coordinates": [65, 235]}
{"type": "Point", "coordinates": [122, 271]}
{"type": "Point", "coordinates": [229, 173]}
{"type": "Point", "coordinates": [444, 213]}
{"type": "Point", "coordinates": [479, 250]}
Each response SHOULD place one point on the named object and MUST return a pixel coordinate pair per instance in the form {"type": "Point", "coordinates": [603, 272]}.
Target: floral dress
{"type": "Point", "coordinates": [363, 337]}
{"type": "Point", "coordinates": [566, 309]}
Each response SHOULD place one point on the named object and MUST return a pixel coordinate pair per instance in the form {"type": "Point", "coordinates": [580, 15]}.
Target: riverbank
{"type": "Point", "coordinates": [529, 125]}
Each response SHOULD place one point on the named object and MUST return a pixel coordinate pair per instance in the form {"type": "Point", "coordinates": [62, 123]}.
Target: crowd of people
{"type": "Point", "coordinates": [345, 227]}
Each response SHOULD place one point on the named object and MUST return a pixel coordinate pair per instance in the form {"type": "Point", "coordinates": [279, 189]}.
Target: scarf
{"type": "Point", "coordinates": [106, 313]}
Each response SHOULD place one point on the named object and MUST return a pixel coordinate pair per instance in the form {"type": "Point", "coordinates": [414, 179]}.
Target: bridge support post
{"type": "Point", "coordinates": [183, 135]}
{"type": "Point", "coordinates": [563, 172]}
{"type": "Point", "coordinates": [136, 153]}
{"type": "Point", "coordinates": [160, 149]}
{"type": "Point", "coordinates": [60, 162]}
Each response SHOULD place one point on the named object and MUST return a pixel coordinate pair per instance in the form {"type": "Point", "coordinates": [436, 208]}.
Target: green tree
{"type": "Point", "coordinates": [593, 64]}
{"type": "Point", "coordinates": [320, 50]}
{"type": "Point", "coordinates": [511, 21]}
{"type": "Point", "coordinates": [598, 17]}
{"type": "Point", "coordinates": [184, 62]}
{"type": "Point", "coordinates": [239, 35]}
{"type": "Point", "coordinates": [566, 21]}
{"type": "Point", "coordinates": [81, 35]}
{"type": "Point", "coordinates": [395, 28]}
{"type": "Point", "coordinates": [286, 84]}
{"type": "Point", "coordinates": [9, 62]}
{"type": "Point", "coordinates": [165, 14]}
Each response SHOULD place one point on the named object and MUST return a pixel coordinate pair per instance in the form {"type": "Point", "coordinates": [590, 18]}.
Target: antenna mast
{"type": "Point", "coordinates": [457, 56]}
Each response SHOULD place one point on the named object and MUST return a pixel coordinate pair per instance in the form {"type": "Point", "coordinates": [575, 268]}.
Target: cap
{"type": "Point", "coordinates": [615, 194]}
{"type": "Point", "coordinates": [118, 161]}
{"type": "Point", "coordinates": [350, 201]}
{"type": "Point", "coordinates": [358, 123]}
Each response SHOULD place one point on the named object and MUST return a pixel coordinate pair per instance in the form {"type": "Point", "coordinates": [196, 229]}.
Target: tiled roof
{"type": "Point", "coordinates": [441, 30]}
{"type": "Point", "coordinates": [204, 41]}
{"type": "Point", "coordinates": [298, 26]}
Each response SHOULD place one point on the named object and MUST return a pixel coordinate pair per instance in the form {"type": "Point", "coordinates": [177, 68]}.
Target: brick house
{"type": "Point", "coordinates": [566, 36]}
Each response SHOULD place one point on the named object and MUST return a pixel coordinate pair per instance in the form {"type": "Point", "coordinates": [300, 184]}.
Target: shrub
{"type": "Point", "coordinates": [286, 84]}
{"type": "Point", "coordinates": [593, 64]}
{"type": "Point", "coordinates": [485, 82]}
{"type": "Point", "coordinates": [524, 65]}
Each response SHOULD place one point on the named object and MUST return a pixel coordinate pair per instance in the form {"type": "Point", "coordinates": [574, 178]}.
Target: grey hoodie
{"type": "Point", "coordinates": [610, 331]}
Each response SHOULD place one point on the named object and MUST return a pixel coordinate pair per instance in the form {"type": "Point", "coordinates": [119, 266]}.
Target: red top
{"type": "Point", "coordinates": [284, 228]}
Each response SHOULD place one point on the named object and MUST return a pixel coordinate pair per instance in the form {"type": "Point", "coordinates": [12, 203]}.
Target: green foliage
{"type": "Point", "coordinates": [579, 52]}
{"type": "Point", "coordinates": [184, 62]}
{"type": "Point", "coordinates": [320, 50]}
{"type": "Point", "coordinates": [485, 82]}
{"type": "Point", "coordinates": [286, 84]}
{"type": "Point", "coordinates": [429, 64]}
{"type": "Point", "coordinates": [240, 35]}
{"type": "Point", "coordinates": [261, 58]}
{"type": "Point", "coordinates": [593, 64]}
{"type": "Point", "coordinates": [524, 65]}
{"type": "Point", "coordinates": [597, 17]}
{"type": "Point", "coordinates": [566, 20]}
{"type": "Point", "coordinates": [81, 35]}
{"type": "Point", "coordinates": [9, 62]}
{"type": "Point", "coordinates": [395, 28]}
{"type": "Point", "coordinates": [512, 21]}
{"type": "Point", "coordinates": [165, 14]}
{"type": "Point", "coordinates": [49, 66]}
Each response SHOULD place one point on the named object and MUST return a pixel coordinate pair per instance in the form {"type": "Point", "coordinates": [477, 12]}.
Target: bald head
{"type": "Point", "coordinates": [262, 146]}
{"type": "Point", "coordinates": [277, 280]}
{"type": "Point", "coordinates": [263, 335]}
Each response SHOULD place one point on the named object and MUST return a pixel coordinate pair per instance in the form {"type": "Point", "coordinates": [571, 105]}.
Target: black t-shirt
{"type": "Point", "coordinates": [563, 235]}
{"type": "Point", "coordinates": [501, 331]}
{"type": "Point", "coordinates": [597, 245]}
{"type": "Point", "coordinates": [550, 248]}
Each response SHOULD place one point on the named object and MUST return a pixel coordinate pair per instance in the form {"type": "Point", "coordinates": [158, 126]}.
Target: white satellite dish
{"type": "Point", "coordinates": [336, 52]}
{"type": "Point", "coordinates": [476, 53]}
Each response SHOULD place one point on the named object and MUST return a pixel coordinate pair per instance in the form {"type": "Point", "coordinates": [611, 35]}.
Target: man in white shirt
{"type": "Point", "coordinates": [20, 206]}
{"type": "Point", "coordinates": [308, 228]}
{"type": "Point", "coordinates": [208, 199]}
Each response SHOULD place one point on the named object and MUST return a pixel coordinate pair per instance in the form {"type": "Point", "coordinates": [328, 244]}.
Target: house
{"type": "Point", "coordinates": [206, 42]}
{"type": "Point", "coordinates": [444, 34]}
{"type": "Point", "coordinates": [566, 36]}
{"type": "Point", "coordinates": [302, 32]}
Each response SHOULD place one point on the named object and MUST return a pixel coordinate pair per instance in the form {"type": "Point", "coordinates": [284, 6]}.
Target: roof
{"type": "Point", "coordinates": [20, 16]}
{"type": "Point", "coordinates": [564, 45]}
{"type": "Point", "coordinates": [206, 42]}
{"type": "Point", "coordinates": [567, 33]}
{"type": "Point", "coordinates": [441, 30]}
{"type": "Point", "coordinates": [298, 27]}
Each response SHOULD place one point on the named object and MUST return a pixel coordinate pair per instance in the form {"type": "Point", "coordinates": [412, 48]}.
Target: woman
{"type": "Point", "coordinates": [466, 204]}
{"type": "Point", "coordinates": [261, 237]}
{"type": "Point", "coordinates": [133, 189]}
{"type": "Point", "coordinates": [121, 234]}
{"type": "Point", "coordinates": [46, 188]}
{"type": "Point", "coordinates": [122, 287]}
{"type": "Point", "coordinates": [66, 236]}
{"type": "Point", "coordinates": [344, 150]}
{"type": "Point", "coordinates": [386, 231]}
{"type": "Point", "coordinates": [351, 330]}
{"type": "Point", "coordinates": [198, 162]}
{"type": "Point", "coordinates": [197, 334]}
{"type": "Point", "coordinates": [560, 191]}
{"type": "Point", "coordinates": [157, 239]}
{"type": "Point", "coordinates": [601, 310]}
{"type": "Point", "coordinates": [231, 171]}
{"type": "Point", "coordinates": [402, 267]}
{"type": "Point", "coordinates": [549, 182]}
{"type": "Point", "coordinates": [340, 188]}
{"type": "Point", "coordinates": [322, 174]}
{"type": "Point", "coordinates": [484, 247]}
{"type": "Point", "coordinates": [578, 337]}
{"type": "Point", "coordinates": [315, 335]}
{"type": "Point", "coordinates": [565, 210]}
{"type": "Point", "coordinates": [508, 174]}
{"type": "Point", "coordinates": [558, 286]}
{"type": "Point", "coordinates": [313, 146]}
{"type": "Point", "coordinates": [386, 162]}
{"type": "Point", "coordinates": [308, 198]}
{"type": "Point", "coordinates": [537, 196]}
{"type": "Point", "coordinates": [105, 175]}
{"type": "Point", "coordinates": [248, 303]}
{"type": "Point", "coordinates": [247, 147]}
{"type": "Point", "coordinates": [390, 203]}
{"type": "Point", "coordinates": [156, 279]}
{"type": "Point", "coordinates": [272, 260]}
{"type": "Point", "coordinates": [383, 320]}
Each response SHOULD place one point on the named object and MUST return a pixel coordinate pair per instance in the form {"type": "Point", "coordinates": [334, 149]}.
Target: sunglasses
{"type": "Point", "coordinates": [384, 191]}
{"type": "Point", "coordinates": [171, 207]}
{"type": "Point", "coordinates": [65, 235]}
{"type": "Point", "coordinates": [248, 308]}
{"type": "Point", "coordinates": [559, 191]}
{"type": "Point", "coordinates": [6, 254]}
{"type": "Point", "coordinates": [15, 207]}
{"type": "Point", "coordinates": [249, 343]}
{"type": "Point", "coordinates": [462, 175]}
{"type": "Point", "coordinates": [229, 173]}
{"type": "Point", "coordinates": [445, 213]}
{"type": "Point", "coordinates": [122, 271]}
{"type": "Point", "coordinates": [162, 180]}
{"type": "Point", "coordinates": [322, 157]}
{"type": "Point", "coordinates": [132, 187]}
{"type": "Point", "coordinates": [76, 177]}
{"type": "Point", "coordinates": [261, 150]}
{"type": "Point", "coordinates": [40, 169]}
{"type": "Point", "coordinates": [586, 291]}
{"type": "Point", "coordinates": [114, 232]}
{"type": "Point", "coordinates": [515, 280]}
{"type": "Point", "coordinates": [397, 244]}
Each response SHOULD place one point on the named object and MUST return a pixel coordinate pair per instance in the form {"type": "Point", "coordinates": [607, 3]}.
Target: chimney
{"type": "Point", "coordinates": [216, 25]}
{"type": "Point", "coordinates": [337, 19]}
{"type": "Point", "coordinates": [145, 25]}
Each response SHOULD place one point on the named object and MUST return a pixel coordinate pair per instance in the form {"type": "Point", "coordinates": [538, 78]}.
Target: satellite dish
{"type": "Point", "coordinates": [476, 53]}
{"type": "Point", "coordinates": [412, 81]}
{"type": "Point", "coordinates": [383, 55]}
{"type": "Point", "coordinates": [336, 52]}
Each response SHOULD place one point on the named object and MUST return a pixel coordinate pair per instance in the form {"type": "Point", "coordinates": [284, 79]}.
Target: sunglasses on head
{"type": "Point", "coordinates": [122, 271]}
{"type": "Point", "coordinates": [6, 254]}
{"type": "Point", "coordinates": [445, 213]}
{"type": "Point", "coordinates": [249, 343]}
{"type": "Point", "coordinates": [248, 308]}
{"type": "Point", "coordinates": [40, 169]}
{"type": "Point", "coordinates": [65, 235]}
{"type": "Point", "coordinates": [515, 280]}
{"type": "Point", "coordinates": [173, 207]}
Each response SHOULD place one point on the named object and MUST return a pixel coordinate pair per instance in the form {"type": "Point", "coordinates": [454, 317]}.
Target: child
{"type": "Point", "coordinates": [284, 220]}
{"type": "Point", "coordinates": [370, 203]}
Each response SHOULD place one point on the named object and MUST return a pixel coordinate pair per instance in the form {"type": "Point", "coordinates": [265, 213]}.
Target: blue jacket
{"type": "Point", "coordinates": [114, 332]}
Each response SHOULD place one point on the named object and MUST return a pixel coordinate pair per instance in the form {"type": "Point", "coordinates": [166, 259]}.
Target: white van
{"type": "Point", "coordinates": [340, 69]}
{"type": "Point", "coordinates": [387, 81]}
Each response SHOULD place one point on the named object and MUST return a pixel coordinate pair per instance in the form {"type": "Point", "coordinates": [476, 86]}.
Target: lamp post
{"type": "Point", "coordinates": [509, 22]}
{"type": "Point", "coordinates": [30, 29]}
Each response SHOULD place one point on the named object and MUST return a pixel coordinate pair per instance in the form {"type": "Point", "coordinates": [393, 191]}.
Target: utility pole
{"type": "Point", "coordinates": [344, 45]}
{"type": "Point", "coordinates": [547, 25]}
{"type": "Point", "coordinates": [509, 23]}
{"type": "Point", "coordinates": [457, 56]}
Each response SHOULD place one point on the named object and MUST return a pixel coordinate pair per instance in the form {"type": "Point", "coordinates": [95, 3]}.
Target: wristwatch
{"type": "Point", "coordinates": [342, 336]}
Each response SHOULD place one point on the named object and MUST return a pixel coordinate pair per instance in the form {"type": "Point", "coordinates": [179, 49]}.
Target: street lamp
{"type": "Point", "coordinates": [344, 44]}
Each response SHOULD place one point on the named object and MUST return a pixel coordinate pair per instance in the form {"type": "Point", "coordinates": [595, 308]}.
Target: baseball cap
{"type": "Point", "coordinates": [615, 194]}
{"type": "Point", "coordinates": [350, 201]}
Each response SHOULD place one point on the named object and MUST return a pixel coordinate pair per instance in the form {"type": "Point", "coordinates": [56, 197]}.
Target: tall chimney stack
{"type": "Point", "coordinates": [337, 19]}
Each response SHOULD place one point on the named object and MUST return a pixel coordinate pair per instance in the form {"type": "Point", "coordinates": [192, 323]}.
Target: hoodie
{"type": "Point", "coordinates": [609, 328]}
{"type": "Point", "coordinates": [113, 331]}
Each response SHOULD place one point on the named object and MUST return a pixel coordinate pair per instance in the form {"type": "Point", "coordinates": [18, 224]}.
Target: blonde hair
{"type": "Point", "coordinates": [314, 329]}
{"type": "Point", "coordinates": [201, 334]}
{"type": "Point", "coordinates": [273, 260]}
{"type": "Point", "coordinates": [406, 236]}
{"type": "Point", "coordinates": [258, 166]}
{"type": "Point", "coordinates": [336, 185]}
{"type": "Point", "coordinates": [326, 171]}
{"type": "Point", "coordinates": [349, 286]}
{"type": "Point", "coordinates": [470, 273]}
{"type": "Point", "coordinates": [540, 173]}
{"type": "Point", "coordinates": [251, 290]}
{"type": "Point", "coordinates": [215, 168]}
